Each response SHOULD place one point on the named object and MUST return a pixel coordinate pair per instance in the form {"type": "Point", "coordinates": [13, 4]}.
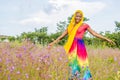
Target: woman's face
{"type": "Point", "coordinates": [78, 17]}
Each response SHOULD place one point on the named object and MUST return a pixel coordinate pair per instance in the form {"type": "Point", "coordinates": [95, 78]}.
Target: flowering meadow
{"type": "Point", "coordinates": [28, 61]}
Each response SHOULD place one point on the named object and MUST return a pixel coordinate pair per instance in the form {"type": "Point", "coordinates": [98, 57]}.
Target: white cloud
{"type": "Point", "coordinates": [69, 6]}
{"type": "Point", "coordinates": [61, 9]}
{"type": "Point", "coordinates": [37, 18]}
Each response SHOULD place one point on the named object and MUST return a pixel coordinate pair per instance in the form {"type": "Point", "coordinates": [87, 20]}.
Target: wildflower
{"type": "Point", "coordinates": [27, 76]}
{"type": "Point", "coordinates": [18, 72]}
{"type": "Point", "coordinates": [115, 58]}
{"type": "Point", "coordinates": [9, 77]}
{"type": "Point", "coordinates": [24, 48]}
{"type": "Point", "coordinates": [46, 56]}
{"type": "Point", "coordinates": [0, 68]}
{"type": "Point", "coordinates": [60, 58]}
{"type": "Point", "coordinates": [7, 60]}
{"type": "Point", "coordinates": [0, 60]}
{"type": "Point", "coordinates": [119, 63]}
{"type": "Point", "coordinates": [19, 55]}
{"type": "Point", "coordinates": [12, 68]}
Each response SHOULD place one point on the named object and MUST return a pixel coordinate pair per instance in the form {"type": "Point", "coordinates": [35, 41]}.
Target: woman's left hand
{"type": "Point", "coordinates": [110, 41]}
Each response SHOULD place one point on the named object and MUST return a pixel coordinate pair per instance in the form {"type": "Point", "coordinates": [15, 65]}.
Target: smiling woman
{"type": "Point", "coordinates": [75, 48]}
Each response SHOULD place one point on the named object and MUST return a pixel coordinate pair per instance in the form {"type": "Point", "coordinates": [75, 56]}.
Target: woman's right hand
{"type": "Point", "coordinates": [51, 44]}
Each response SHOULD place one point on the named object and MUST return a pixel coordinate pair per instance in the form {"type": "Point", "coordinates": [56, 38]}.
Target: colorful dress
{"type": "Point", "coordinates": [77, 55]}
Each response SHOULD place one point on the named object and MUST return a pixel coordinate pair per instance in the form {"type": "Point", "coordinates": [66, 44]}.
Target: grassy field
{"type": "Point", "coordinates": [27, 61]}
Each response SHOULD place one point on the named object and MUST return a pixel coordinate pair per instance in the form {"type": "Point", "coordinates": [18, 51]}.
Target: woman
{"type": "Point", "coordinates": [75, 48]}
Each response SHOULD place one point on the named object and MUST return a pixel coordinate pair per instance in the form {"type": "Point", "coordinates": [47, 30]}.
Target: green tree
{"type": "Point", "coordinates": [117, 24]}
{"type": "Point", "coordinates": [11, 38]}
{"type": "Point", "coordinates": [61, 26]}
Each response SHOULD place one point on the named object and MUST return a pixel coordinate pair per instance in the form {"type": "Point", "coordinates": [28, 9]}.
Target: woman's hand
{"type": "Point", "coordinates": [110, 41]}
{"type": "Point", "coordinates": [51, 44]}
{"type": "Point", "coordinates": [100, 36]}
{"type": "Point", "coordinates": [58, 39]}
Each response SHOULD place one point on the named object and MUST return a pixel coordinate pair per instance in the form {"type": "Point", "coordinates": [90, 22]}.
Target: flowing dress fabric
{"type": "Point", "coordinates": [77, 56]}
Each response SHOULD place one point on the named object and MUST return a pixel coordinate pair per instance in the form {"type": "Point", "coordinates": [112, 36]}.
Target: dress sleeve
{"type": "Point", "coordinates": [86, 26]}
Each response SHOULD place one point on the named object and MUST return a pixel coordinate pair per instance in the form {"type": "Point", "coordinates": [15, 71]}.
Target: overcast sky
{"type": "Point", "coordinates": [17, 16]}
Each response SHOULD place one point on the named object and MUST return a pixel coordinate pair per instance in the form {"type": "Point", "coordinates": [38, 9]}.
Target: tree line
{"type": "Point", "coordinates": [41, 36]}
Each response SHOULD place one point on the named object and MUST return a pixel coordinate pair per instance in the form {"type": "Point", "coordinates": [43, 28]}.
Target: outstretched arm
{"type": "Point", "coordinates": [99, 36]}
{"type": "Point", "coordinates": [59, 38]}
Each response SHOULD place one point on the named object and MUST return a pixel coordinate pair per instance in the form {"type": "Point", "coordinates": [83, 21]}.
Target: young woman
{"type": "Point", "coordinates": [75, 48]}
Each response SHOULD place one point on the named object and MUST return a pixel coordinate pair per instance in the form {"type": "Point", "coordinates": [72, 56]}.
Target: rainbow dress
{"type": "Point", "coordinates": [77, 56]}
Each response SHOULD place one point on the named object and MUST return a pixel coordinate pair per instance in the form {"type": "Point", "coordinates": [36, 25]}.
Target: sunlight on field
{"type": "Point", "coordinates": [27, 61]}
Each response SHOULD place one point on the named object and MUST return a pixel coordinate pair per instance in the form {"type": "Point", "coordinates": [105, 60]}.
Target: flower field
{"type": "Point", "coordinates": [28, 61]}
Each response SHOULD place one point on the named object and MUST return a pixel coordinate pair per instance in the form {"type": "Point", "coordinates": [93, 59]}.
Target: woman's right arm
{"type": "Point", "coordinates": [99, 36]}
{"type": "Point", "coordinates": [59, 38]}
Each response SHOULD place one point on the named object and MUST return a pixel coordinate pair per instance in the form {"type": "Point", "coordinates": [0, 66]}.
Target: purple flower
{"type": "Point", "coordinates": [24, 48]}
{"type": "Point", "coordinates": [0, 60]}
{"type": "Point", "coordinates": [12, 68]}
{"type": "Point", "coordinates": [119, 63]}
{"type": "Point", "coordinates": [46, 56]}
{"type": "Point", "coordinates": [0, 68]}
{"type": "Point", "coordinates": [48, 47]}
{"type": "Point", "coordinates": [66, 61]}
{"type": "Point", "coordinates": [60, 58]}
{"type": "Point", "coordinates": [7, 60]}
{"type": "Point", "coordinates": [115, 58]}
{"type": "Point", "coordinates": [18, 72]}
{"type": "Point", "coordinates": [9, 77]}
{"type": "Point", "coordinates": [58, 50]}
{"type": "Point", "coordinates": [19, 55]}
{"type": "Point", "coordinates": [27, 76]}
{"type": "Point", "coordinates": [61, 55]}
{"type": "Point", "coordinates": [30, 53]}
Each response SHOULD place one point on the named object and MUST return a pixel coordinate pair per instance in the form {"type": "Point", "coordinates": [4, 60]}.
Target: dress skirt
{"type": "Point", "coordinates": [78, 61]}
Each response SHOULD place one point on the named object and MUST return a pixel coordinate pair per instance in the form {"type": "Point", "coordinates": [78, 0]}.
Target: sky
{"type": "Point", "coordinates": [18, 16]}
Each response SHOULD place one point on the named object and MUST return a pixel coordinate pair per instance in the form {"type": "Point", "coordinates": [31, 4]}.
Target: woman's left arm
{"type": "Point", "coordinates": [98, 35]}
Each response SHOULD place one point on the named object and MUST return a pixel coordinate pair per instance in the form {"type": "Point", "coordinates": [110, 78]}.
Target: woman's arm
{"type": "Point", "coordinates": [98, 35]}
{"type": "Point", "coordinates": [59, 38]}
